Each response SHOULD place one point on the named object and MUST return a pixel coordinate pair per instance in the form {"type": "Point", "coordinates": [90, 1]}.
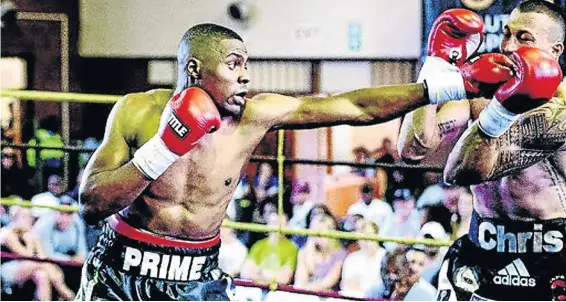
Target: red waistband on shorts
{"type": "Point", "coordinates": [121, 227]}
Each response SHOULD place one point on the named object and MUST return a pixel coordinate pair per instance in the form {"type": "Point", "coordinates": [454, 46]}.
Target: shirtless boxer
{"type": "Point", "coordinates": [171, 160]}
{"type": "Point", "coordinates": [515, 247]}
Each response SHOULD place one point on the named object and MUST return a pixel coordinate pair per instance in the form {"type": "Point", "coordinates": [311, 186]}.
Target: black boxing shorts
{"type": "Point", "coordinates": [506, 260]}
{"type": "Point", "coordinates": [132, 264]}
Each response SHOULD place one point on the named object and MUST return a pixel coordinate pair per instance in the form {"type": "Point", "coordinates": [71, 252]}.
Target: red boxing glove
{"type": "Point", "coordinates": [483, 74]}
{"type": "Point", "coordinates": [455, 35]}
{"type": "Point", "coordinates": [189, 116]}
{"type": "Point", "coordinates": [537, 76]}
{"type": "Point", "coordinates": [185, 120]}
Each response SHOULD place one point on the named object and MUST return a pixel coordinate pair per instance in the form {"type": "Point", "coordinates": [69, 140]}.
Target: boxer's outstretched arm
{"type": "Point", "coordinates": [110, 181]}
{"type": "Point", "coordinates": [359, 107]}
{"type": "Point", "coordinates": [537, 134]}
{"type": "Point", "coordinates": [425, 128]}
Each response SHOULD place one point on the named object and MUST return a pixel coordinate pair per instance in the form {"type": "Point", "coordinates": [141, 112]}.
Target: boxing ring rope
{"type": "Point", "coordinates": [261, 228]}
{"type": "Point", "coordinates": [279, 159]}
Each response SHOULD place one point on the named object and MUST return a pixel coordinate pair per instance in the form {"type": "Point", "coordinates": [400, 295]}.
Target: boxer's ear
{"type": "Point", "coordinates": [193, 68]}
{"type": "Point", "coordinates": [557, 49]}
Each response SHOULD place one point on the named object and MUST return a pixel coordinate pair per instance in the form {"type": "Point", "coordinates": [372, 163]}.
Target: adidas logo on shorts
{"type": "Point", "coordinates": [515, 274]}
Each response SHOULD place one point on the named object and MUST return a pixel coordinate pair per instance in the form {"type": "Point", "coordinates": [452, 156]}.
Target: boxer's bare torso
{"type": "Point", "coordinates": [537, 191]}
{"type": "Point", "coordinates": [189, 200]}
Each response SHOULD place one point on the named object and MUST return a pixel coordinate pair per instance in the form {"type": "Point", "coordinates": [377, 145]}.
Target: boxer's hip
{"type": "Point", "coordinates": [507, 260]}
{"type": "Point", "coordinates": [129, 263]}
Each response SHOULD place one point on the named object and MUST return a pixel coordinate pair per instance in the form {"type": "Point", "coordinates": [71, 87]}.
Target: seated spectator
{"type": "Point", "coordinates": [435, 254]}
{"type": "Point", "coordinates": [318, 208]}
{"type": "Point", "coordinates": [63, 235]}
{"type": "Point", "coordinates": [301, 205]}
{"type": "Point", "coordinates": [55, 190]}
{"type": "Point", "coordinates": [14, 179]}
{"type": "Point", "coordinates": [400, 272]}
{"type": "Point", "coordinates": [18, 238]}
{"type": "Point", "coordinates": [362, 269]}
{"type": "Point", "coordinates": [319, 266]}
{"type": "Point", "coordinates": [232, 253]}
{"type": "Point", "coordinates": [350, 223]}
{"type": "Point", "coordinates": [371, 208]}
{"type": "Point", "coordinates": [47, 135]}
{"type": "Point", "coordinates": [266, 183]}
{"type": "Point", "coordinates": [465, 209]}
{"type": "Point", "coordinates": [362, 156]}
{"type": "Point", "coordinates": [404, 222]}
{"type": "Point", "coordinates": [273, 258]}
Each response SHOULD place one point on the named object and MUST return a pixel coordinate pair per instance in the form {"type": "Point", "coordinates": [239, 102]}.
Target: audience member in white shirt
{"type": "Point", "coordinates": [371, 208]}
{"type": "Point", "coordinates": [232, 253]}
{"type": "Point", "coordinates": [405, 221]}
{"type": "Point", "coordinates": [55, 189]}
{"type": "Point", "coordinates": [302, 205]}
{"type": "Point", "coordinates": [362, 269]}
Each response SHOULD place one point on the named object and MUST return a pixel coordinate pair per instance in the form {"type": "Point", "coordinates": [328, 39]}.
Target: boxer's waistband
{"type": "Point", "coordinates": [507, 236]}
{"type": "Point", "coordinates": [139, 252]}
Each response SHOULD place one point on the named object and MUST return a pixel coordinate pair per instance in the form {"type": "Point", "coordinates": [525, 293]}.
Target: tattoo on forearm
{"type": "Point", "coordinates": [446, 128]}
{"type": "Point", "coordinates": [535, 136]}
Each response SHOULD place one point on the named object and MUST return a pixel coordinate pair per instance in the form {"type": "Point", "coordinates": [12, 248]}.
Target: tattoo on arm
{"type": "Point", "coordinates": [536, 136]}
{"type": "Point", "coordinates": [446, 128]}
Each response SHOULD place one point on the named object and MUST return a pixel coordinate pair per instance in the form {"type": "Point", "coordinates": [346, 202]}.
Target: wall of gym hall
{"type": "Point", "coordinates": [133, 67]}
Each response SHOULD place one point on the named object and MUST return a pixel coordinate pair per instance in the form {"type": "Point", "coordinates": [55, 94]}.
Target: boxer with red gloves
{"type": "Point", "coordinates": [509, 145]}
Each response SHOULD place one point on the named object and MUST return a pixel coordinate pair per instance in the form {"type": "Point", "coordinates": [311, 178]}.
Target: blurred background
{"type": "Point", "coordinates": [296, 47]}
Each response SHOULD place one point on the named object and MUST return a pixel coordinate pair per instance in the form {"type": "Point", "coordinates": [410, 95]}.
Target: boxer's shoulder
{"type": "Point", "coordinates": [138, 113]}
{"type": "Point", "coordinates": [268, 108]}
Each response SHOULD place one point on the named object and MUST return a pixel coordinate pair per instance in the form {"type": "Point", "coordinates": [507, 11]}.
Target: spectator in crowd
{"type": "Point", "coordinates": [14, 179]}
{"type": "Point", "coordinates": [435, 254]}
{"type": "Point", "coordinates": [400, 272]}
{"type": "Point", "coordinates": [232, 254]}
{"type": "Point", "coordinates": [465, 209]}
{"type": "Point", "coordinates": [53, 196]}
{"type": "Point", "coordinates": [361, 270]}
{"type": "Point", "coordinates": [47, 135]}
{"type": "Point", "coordinates": [362, 156]}
{"type": "Point", "coordinates": [405, 221]}
{"type": "Point", "coordinates": [63, 235]}
{"type": "Point", "coordinates": [266, 183]}
{"type": "Point", "coordinates": [18, 238]}
{"type": "Point", "coordinates": [319, 266]}
{"type": "Point", "coordinates": [350, 223]}
{"type": "Point", "coordinates": [302, 204]}
{"type": "Point", "coordinates": [316, 210]}
{"type": "Point", "coordinates": [273, 258]}
{"type": "Point", "coordinates": [371, 208]}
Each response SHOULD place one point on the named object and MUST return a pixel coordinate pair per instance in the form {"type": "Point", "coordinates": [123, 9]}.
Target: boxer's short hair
{"type": "Point", "coordinates": [548, 8]}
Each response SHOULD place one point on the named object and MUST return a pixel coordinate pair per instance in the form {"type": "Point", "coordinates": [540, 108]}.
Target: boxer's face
{"type": "Point", "coordinates": [225, 76]}
{"type": "Point", "coordinates": [531, 29]}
